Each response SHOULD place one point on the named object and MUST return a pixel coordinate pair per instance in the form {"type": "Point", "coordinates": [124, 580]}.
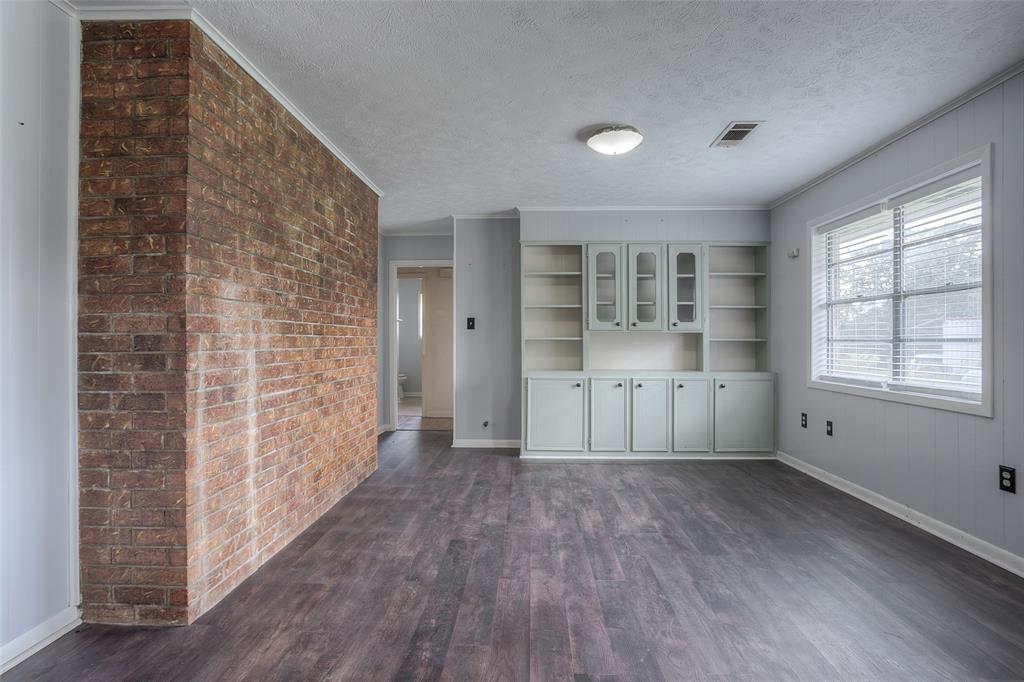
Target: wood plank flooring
{"type": "Point", "coordinates": [475, 565]}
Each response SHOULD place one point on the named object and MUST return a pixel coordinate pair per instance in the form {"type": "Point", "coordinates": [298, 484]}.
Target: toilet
{"type": "Point", "coordinates": [401, 385]}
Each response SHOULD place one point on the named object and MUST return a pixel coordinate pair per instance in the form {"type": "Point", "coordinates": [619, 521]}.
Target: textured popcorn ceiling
{"type": "Point", "coordinates": [478, 107]}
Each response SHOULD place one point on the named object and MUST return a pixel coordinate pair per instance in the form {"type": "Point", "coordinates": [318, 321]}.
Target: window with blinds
{"type": "Point", "coordinates": [897, 294]}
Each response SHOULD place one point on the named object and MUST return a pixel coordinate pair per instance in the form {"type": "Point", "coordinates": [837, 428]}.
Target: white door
{"type": "Point", "coordinates": [608, 415]}
{"type": "Point", "coordinates": [691, 415]}
{"type": "Point", "coordinates": [650, 415]}
{"type": "Point", "coordinates": [744, 415]}
{"type": "Point", "coordinates": [555, 414]}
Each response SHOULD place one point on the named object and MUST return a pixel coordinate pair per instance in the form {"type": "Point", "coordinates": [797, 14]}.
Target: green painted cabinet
{"type": "Point", "coordinates": [556, 419]}
{"type": "Point", "coordinates": [650, 415]}
{"type": "Point", "coordinates": [685, 309]}
{"type": "Point", "coordinates": [646, 286]}
{"type": "Point", "coordinates": [744, 414]}
{"type": "Point", "coordinates": [691, 415]}
{"type": "Point", "coordinates": [605, 287]}
{"type": "Point", "coordinates": [608, 415]}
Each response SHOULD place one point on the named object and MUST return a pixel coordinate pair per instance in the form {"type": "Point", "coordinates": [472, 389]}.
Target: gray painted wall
{"type": "Point", "coordinates": [939, 463]}
{"type": "Point", "coordinates": [38, 519]}
{"type": "Point", "coordinates": [487, 359]}
{"type": "Point", "coordinates": [408, 333]}
{"type": "Point", "coordinates": [642, 225]}
{"type": "Point", "coordinates": [391, 249]}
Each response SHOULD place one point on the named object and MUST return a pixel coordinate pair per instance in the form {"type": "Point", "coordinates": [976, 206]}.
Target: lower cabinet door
{"type": "Point", "coordinates": [691, 415]}
{"type": "Point", "coordinates": [650, 415]}
{"type": "Point", "coordinates": [555, 417]}
{"type": "Point", "coordinates": [744, 415]}
{"type": "Point", "coordinates": [608, 415]}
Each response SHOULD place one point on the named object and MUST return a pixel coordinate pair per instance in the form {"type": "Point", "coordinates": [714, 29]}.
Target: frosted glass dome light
{"type": "Point", "coordinates": [614, 140]}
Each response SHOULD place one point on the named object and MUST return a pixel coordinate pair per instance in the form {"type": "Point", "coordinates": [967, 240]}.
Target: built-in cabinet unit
{"type": "Point", "coordinates": [646, 350]}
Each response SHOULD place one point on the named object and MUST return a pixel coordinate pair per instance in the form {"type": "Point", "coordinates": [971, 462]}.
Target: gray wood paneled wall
{"type": "Point", "coordinates": [939, 463]}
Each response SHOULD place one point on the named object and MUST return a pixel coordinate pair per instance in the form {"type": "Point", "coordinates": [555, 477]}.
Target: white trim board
{"type": "Point", "coordinates": [142, 11]}
{"type": "Point", "coordinates": [384, 428]}
{"type": "Point", "coordinates": [44, 634]}
{"type": "Point", "coordinates": [640, 457]}
{"type": "Point", "coordinates": [965, 541]}
{"type": "Point", "coordinates": [484, 443]}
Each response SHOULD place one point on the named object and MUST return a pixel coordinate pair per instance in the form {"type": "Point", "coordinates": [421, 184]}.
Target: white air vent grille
{"type": "Point", "coordinates": [735, 132]}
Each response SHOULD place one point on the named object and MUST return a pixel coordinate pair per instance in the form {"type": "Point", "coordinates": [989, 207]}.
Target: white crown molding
{"type": "Point", "coordinates": [975, 545]}
{"type": "Point", "coordinates": [141, 11]}
{"type": "Point", "coordinates": [744, 207]}
{"type": "Point", "coordinates": [973, 93]}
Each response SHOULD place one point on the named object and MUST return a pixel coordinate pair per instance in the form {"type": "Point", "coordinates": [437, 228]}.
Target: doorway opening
{"type": "Point", "coordinates": [423, 348]}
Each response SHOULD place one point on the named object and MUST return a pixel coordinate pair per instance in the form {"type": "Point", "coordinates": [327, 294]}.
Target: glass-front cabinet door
{"type": "Point", "coordinates": [646, 286]}
{"type": "Point", "coordinates": [685, 292]}
{"type": "Point", "coordinates": [604, 265]}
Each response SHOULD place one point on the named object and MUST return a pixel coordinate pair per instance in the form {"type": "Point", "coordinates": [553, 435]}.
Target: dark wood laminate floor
{"type": "Point", "coordinates": [467, 565]}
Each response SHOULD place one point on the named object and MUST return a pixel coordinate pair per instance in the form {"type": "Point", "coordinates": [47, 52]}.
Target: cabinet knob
{"type": "Point", "coordinates": [618, 385]}
{"type": "Point", "coordinates": [675, 324]}
{"type": "Point", "coordinates": [577, 385]}
{"type": "Point", "coordinates": [634, 324]}
{"type": "Point", "coordinates": [679, 386]}
{"type": "Point", "coordinates": [617, 323]}
{"type": "Point", "coordinates": [721, 385]}
{"type": "Point", "coordinates": [639, 385]}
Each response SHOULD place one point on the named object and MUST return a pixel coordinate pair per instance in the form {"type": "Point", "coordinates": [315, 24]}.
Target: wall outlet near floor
{"type": "Point", "coordinates": [1007, 479]}
{"type": "Point", "coordinates": [828, 427]}
{"type": "Point", "coordinates": [803, 420]}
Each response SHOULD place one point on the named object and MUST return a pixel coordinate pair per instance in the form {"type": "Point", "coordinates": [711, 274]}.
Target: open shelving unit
{"type": "Point", "coordinates": [738, 308]}
{"type": "Point", "coordinates": [552, 295]}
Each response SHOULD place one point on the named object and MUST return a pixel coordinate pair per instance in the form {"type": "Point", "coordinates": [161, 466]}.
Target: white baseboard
{"type": "Point", "coordinates": [26, 644]}
{"type": "Point", "coordinates": [384, 428]}
{"type": "Point", "coordinates": [981, 548]}
{"type": "Point", "coordinates": [414, 394]}
{"type": "Point", "coordinates": [437, 415]}
{"type": "Point", "coordinates": [640, 457]}
{"type": "Point", "coordinates": [484, 443]}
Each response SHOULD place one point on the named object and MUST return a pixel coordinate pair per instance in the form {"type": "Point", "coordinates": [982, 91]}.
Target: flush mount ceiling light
{"type": "Point", "coordinates": [615, 139]}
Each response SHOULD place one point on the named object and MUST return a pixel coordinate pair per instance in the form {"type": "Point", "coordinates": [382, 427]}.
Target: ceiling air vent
{"type": "Point", "coordinates": [735, 132]}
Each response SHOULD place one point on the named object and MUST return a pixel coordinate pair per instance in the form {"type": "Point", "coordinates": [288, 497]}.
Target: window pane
{"type": "Point", "coordinates": [865, 361]}
{"type": "Point", "coordinates": [950, 210]}
{"type": "Point", "coordinates": [950, 365]}
{"type": "Point", "coordinates": [864, 277]}
{"type": "Point", "coordinates": [946, 262]}
{"type": "Point", "coordinates": [952, 315]}
{"type": "Point", "coordinates": [863, 321]}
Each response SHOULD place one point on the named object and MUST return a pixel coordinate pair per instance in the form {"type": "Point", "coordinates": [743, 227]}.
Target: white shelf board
{"type": "Point", "coordinates": [552, 274]}
{"type": "Point", "coordinates": [554, 338]}
{"type": "Point", "coordinates": [738, 340]}
{"type": "Point", "coordinates": [739, 307]}
{"type": "Point", "coordinates": [552, 305]}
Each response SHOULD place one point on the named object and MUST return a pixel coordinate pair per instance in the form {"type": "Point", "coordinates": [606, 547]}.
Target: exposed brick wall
{"type": "Point", "coordinates": [282, 308]}
{"type": "Point", "coordinates": [131, 343]}
{"type": "Point", "coordinates": [228, 324]}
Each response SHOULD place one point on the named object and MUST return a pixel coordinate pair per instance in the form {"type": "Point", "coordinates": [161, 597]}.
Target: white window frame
{"type": "Point", "coordinates": [980, 158]}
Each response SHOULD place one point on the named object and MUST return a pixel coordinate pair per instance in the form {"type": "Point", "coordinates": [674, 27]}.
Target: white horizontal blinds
{"type": "Point", "coordinates": [858, 271]}
{"type": "Point", "coordinates": [939, 344]}
{"type": "Point", "coordinates": [898, 292]}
